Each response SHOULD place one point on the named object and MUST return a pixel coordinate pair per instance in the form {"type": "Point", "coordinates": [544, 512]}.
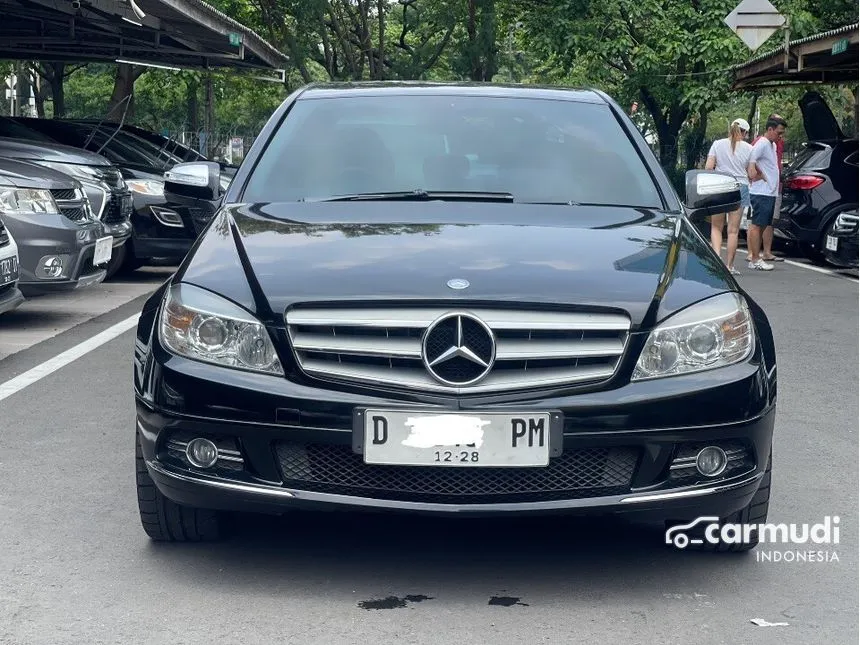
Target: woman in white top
{"type": "Point", "coordinates": [731, 155]}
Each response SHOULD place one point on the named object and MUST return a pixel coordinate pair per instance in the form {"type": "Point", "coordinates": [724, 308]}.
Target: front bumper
{"type": "Point", "coordinates": [846, 253]}
{"type": "Point", "coordinates": [643, 428]}
{"type": "Point", "coordinates": [45, 236]}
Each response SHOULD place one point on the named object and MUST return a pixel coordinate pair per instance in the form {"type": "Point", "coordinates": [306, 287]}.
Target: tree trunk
{"type": "Point", "coordinates": [192, 102]}
{"type": "Point", "coordinates": [40, 91]}
{"type": "Point", "coordinates": [696, 140]}
{"type": "Point", "coordinates": [380, 8]}
{"type": "Point", "coordinates": [481, 28]}
{"type": "Point", "coordinates": [58, 88]}
{"type": "Point", "coordinates": [123, 88]}
{"type": "Point", "coordinates": [753, 106]}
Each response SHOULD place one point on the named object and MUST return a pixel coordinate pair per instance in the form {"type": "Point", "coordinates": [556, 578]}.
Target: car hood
{"type": "Point", "coordinates": [818, 119]}
{"type": "Point", "coordinates": [21, 149]}
{"type": "Point", "coordinates": [268, 257]}
{"type": "Point", "coordinates": [23, 174]}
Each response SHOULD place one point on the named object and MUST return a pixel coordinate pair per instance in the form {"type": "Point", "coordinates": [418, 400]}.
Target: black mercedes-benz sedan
{"type": "Point", "coordinates": [452, 299]}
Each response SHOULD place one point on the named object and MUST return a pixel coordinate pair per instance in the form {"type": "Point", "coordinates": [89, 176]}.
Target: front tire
{"type": "Point", "coordinates": [166, 521]}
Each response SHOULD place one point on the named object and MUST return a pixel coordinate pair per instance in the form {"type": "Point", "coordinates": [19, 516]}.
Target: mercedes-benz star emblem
{"type": "Point", "coordinates": [458, 283]}
{"type": "Point", "coordinates": [458, 349]}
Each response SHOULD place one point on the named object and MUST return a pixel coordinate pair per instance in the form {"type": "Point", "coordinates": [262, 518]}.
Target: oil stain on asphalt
{"type": "Point", "coordinates": [506, 601]}
{"type": "Point", "coordinates": [392, 602]}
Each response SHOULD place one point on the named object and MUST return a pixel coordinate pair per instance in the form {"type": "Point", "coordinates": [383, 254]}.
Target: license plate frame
{"type": "Point", "coordinates": [103, 251]}
{"type": "Point", "coordinates": [9, 271]}
{"type": "Point", "coordinates": [831, 243]}
{"type": "Point", "coordinates": [490, 453]}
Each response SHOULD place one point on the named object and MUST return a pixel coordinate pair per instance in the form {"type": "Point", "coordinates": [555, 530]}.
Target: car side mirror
{"type": "Point", "coordinates": [710, 192]}
{"type": "Point", "coordinates": [199, 179]}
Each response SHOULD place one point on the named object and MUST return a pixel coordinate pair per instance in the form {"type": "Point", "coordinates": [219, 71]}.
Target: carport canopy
{"type": "Point", "coordinates": [186, 34]}
{"type": "Point", "coordinates": [830, 57]}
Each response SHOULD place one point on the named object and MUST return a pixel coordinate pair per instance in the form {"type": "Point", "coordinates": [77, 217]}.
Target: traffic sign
{"type": "Point", "coordinates": [235, 39]}
{"type": "Point", "coordinates": [754, 21]}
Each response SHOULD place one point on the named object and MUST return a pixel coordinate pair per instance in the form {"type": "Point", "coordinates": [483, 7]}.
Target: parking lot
{"type": "Point", "coordinates": [77, 567]}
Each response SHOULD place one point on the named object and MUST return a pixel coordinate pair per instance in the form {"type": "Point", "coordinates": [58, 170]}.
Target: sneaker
{"type": "Point", "coordinates": [761, 265]}
{"type": "Point", "coordinates": [734, 271]}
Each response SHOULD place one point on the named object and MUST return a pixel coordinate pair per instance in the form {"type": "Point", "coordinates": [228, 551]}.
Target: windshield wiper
{"type": "Point", "coordinates": [418, 196]}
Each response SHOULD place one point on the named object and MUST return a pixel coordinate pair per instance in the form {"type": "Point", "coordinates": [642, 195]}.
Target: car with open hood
{"type": "Point", "coordinates": [164, 226]}
{"type": "Point", "coordinates": [62, 245]}
{"type": "Point", "coordinates": [102, 182]}
{"type": "Point", "coordinates": [452, 299]}
{"type": "Point", "coordinates": [820, 185]}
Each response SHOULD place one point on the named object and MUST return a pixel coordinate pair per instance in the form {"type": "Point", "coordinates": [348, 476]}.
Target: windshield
{"type": "Point", "coordinates": [537, 150]}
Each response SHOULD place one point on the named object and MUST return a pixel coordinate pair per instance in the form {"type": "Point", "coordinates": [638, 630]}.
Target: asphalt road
{"type": "Point", "coordinates": [75, 566]}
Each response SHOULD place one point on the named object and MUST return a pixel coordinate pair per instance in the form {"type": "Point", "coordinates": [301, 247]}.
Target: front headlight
{"type": "Point", "coordinates": [198, 324]}
{"type": "Point", "coordinates": [713, 333]}
{"type": "Point", "coordinates": [146, 187]}
{"type": "Point", "coordinates": [26, 200]}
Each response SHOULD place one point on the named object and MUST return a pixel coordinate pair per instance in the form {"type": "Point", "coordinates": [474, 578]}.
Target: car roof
{"type": "Point", "coordinates": [418, 88]}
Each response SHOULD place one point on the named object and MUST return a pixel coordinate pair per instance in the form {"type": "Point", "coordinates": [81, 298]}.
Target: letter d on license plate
{"type": "Point", "coordinates": [457, 439]}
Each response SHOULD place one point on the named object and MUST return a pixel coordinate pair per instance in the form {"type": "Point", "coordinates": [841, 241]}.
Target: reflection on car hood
{"type": "Point", "coordinates": [21, 149]}
{"type": "Point", "coordinates": [643, 262]}
{"type": "Point", "coordinates": [23, 174]}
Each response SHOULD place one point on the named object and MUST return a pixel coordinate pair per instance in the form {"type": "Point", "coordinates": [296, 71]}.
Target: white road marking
{"type": "Point", "coordinates": [59, 361]}
{"type": "Point", "coordinates": [820, 270]}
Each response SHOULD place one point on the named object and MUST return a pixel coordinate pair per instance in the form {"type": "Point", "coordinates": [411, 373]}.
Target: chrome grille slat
{"type": "Point", "coordinates": [368, 346]}
{"type": "Point", "coordinates": [507, 349]}
{"type": "Point", "coordinates": [382, 346]}
{"type": "Point", "coordinates": [422, 317]}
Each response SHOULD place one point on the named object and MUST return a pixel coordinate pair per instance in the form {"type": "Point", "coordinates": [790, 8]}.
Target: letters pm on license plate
{"type": "Point", "coordinates": [457, 439]}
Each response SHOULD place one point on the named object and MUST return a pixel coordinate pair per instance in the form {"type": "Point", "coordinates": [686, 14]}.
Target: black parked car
{"type": "Point", "coordinates": [61, 244]}
{"type": "Point", "coordinates": [162, 228]}
{"type": "Point", "coordinates": [820, 183]}
{"type": "Point", "coordinates": [841, 243]}
{"type": "Point", "coordinates": [456, 300]}
{"type": "Point", "coordinates": [106, 190]}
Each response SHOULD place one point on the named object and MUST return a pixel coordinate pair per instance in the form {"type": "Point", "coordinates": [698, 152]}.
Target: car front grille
{"type": "Point", "coordinates": [576, 474]}
{"type": "Point", "coordinates": [114, 211]}
{"type": "Point", "coordinates": [4, 236]}
{"type": "Point", "coordinates": [383, 346]}
{"type": "Point", "coordinates": [72, 204]}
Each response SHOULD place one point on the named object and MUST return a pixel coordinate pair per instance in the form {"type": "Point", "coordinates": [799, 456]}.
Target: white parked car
{"type": "Point", "coordinates": [10, 295]}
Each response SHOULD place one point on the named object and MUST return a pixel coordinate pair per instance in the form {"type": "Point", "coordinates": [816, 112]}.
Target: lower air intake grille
{"type": "Point", "coordinates": [4, 236]}
{"type": "Point", "coordinates": [575, 474]}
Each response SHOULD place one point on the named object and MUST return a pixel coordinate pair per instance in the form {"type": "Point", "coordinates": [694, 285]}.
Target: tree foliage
{"type": "Point", "coordinates": [671, 58]}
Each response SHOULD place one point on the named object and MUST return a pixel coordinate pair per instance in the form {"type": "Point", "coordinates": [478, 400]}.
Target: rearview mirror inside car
{"type": "Point", "coordinates": [710, 192]}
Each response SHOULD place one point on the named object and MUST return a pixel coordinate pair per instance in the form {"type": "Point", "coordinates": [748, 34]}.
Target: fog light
{"type": "Point", "coordinates": [202, 453]}
{"type": "Point", "coordinates": [711, 461]}
{"type": "Point", "coordinates": [52, 266]}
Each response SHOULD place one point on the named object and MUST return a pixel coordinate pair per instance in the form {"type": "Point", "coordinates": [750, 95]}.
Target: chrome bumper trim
{"type": "Point", "coordinates": [590, 502]}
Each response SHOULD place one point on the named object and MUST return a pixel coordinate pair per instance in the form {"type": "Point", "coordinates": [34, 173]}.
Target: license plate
{"type": "Point", "coordinates": [8, 270]}
{"type": "Point", "coordinates": [832, 243]}
{"type": "Point", "coordinates": [104, 250]}
{"type": "Point", "coordinates": [457, 439]}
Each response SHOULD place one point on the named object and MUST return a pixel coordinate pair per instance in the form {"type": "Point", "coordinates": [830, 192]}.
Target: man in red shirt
{"type": "Point", "coordinates": [767, 234]}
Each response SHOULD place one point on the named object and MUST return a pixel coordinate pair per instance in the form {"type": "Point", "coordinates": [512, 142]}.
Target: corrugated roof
{"type": "Point", "coordinates": [779, 50]}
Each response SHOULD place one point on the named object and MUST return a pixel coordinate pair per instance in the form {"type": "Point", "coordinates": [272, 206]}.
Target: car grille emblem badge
{"type": "Point", "coordinates": [458, 283]}
{"type": "Point", "coordinates": [458, 349]}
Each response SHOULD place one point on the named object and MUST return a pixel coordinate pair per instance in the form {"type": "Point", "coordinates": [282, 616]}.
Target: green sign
{"type": "Point", "coordinates": [839, 47]}
{"type": "Point", "coordinates": [235, 39]}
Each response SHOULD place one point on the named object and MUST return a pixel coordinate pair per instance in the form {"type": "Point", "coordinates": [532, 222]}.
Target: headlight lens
{"type": "Point", "coordinates": [197, 324]}
{"type": "Point", "coordinates": [25, 200]}
{"type": "Point", "coordinates": [146, 187]}
{"type": "Point", "coordinates": [713, 333]}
